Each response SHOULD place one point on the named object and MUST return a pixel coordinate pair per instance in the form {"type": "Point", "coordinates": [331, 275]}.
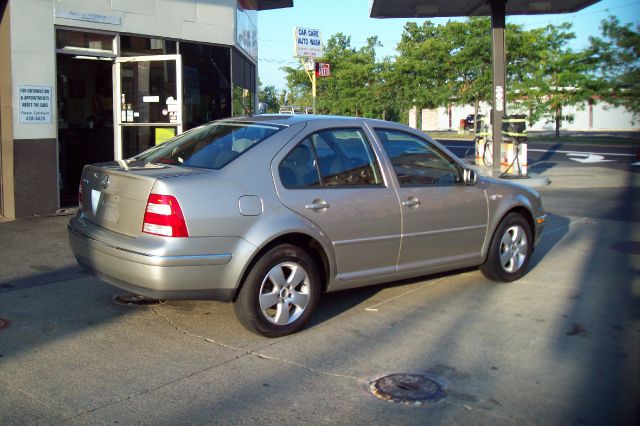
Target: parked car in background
{"type": "Point", "coordinates": [271, 211]}
{"type": "Point", "coordinates": [470, 121]}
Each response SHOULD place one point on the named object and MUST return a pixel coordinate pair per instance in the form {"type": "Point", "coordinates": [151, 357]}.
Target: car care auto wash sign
{"type": "Point", "coordinates": [35, 104]}
{"type": "Point", "coordinates": [307, 43]}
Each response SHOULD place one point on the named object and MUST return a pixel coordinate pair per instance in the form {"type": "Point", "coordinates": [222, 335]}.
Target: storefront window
{"type": "Point", "coordinates": [142, 46]}
{"type": "Point", "coordinates": [206, 83]}
{"type": "Point", "coordinates": [244, 85]}
{"type": "Point", "coordinates": [76, 40]}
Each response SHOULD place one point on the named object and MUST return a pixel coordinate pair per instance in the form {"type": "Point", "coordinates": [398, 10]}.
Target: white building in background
{"type": "Point", "coordinates": [598, 117]}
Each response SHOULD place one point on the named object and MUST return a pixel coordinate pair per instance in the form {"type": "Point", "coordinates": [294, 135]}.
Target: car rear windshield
{"type": "Point", "coordinates": [211, 146]}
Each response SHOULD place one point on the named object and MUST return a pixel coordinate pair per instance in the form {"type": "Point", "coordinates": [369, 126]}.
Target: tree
{"type": "Point", "coordinates": [619, 68]}
{"type": "Point", "coordinates": [452, 63]}
{"type": "Point", "coordinates": [356, 83]}
{"type": "Point", "coordinates": [555, 76]}
{"type": "Point", "coordinates": [422, 66]}
{"type": "Point", "coordinates": [269, 95]}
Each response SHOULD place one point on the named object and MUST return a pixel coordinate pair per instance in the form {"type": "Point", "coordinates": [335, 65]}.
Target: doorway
{"type": "Point", "coordinates": [85, 118]}
{"type": "Point", "coordinates": [149, 110]}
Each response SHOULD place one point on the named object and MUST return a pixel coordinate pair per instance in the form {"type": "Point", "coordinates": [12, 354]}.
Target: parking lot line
{"type": "Point", "coordinates": [374, 308]}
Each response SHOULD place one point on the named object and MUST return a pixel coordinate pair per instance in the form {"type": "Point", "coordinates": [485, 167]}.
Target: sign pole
{"type": "Point", "coordinates": [311, 73]}
{"type": "Point", "coordinates": [314, 86]}
{"type": "Point", "coordinates": [499, 101]}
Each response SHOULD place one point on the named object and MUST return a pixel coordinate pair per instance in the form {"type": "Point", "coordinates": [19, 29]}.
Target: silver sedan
{"type": "Point", "coordinates": [271, 211]}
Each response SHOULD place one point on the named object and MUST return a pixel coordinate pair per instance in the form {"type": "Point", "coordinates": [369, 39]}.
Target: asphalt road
{"type": "Point", "coordinates": [559, 347]}
{"type": "Point", "coordinates": [615, 156]}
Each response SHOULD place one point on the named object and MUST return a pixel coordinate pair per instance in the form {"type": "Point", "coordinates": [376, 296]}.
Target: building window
{"type": "Point", "coordinates": [142, 46]}
{"type": "Point", "coordinates": [244, 85]}
{"type": "Point", "coordinates": [206, 83]}
{"type": "Point", "coordinates": [72, 41]}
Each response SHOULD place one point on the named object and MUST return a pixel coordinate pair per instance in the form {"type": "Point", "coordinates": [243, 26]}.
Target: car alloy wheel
{"type": "Point", "coordinates": [510, 249]}
{"type": "Point", "coordinates": [284, 293]}
{"type": "Point", "coordinates": [280, 292]}
{"type": "Point", "coordinates": [514, 248]}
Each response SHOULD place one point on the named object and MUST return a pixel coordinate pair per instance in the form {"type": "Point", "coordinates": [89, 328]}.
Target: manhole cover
{"type": "Point", "coordinates": [4, 323]}
{"type": "Point", "coordinates": [131, 299]}
{"type": "Point", "coordinates": [405, 388]}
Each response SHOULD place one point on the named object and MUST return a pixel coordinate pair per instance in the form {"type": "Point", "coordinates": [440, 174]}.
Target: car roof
{"type": "Point", "coordinates": [291, 119]}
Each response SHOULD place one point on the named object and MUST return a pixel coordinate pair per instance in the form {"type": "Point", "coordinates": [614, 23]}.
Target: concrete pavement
{"type": "Point", "coordinates": [560, 346]}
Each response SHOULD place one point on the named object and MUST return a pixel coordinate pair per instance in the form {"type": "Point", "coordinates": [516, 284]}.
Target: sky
{"type": "Point", "coordinates": [351, 17]}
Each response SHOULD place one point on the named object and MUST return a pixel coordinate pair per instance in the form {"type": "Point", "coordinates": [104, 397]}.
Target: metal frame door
{"type": "Point", "coordinates": [118, 96]}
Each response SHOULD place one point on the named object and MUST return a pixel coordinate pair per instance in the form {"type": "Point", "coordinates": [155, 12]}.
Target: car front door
{"type": "Point", "coordinates": [332, 177]}
{"type": "Point", "coordinates": [444, 220]}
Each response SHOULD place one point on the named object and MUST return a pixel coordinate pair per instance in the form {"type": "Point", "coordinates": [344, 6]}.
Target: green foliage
{"type": "Point", "coordinates": [269, 95]}
{"type": "Point", "coordinates": [619, 63]}
{"type": "Point", "coordinates": [440, 65]}
{"type": "Point", "coordinates": [555, 76]}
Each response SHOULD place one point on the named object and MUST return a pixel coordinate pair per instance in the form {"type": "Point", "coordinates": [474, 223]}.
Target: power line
{"type": "Point", "coordinates": [579, 15]}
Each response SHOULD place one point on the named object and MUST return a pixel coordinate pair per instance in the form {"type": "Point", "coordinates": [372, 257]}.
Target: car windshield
{"type": "Point", "coordinates": [211, 146]}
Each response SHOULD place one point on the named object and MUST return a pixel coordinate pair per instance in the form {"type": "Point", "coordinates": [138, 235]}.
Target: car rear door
{"type": "Point", "coordinates": [332, 176]}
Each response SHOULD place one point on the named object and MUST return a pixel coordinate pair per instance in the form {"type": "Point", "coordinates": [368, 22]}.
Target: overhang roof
{"type": "Point", "coordinates": [273, 4]}
{"type": "Point", "coordinates": [451, 8]}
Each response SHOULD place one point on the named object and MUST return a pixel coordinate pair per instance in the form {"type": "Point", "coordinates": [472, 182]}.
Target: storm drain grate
{"type": "Point", "coordinates": [406, 388]}
{"type": "Point", "coordinates": [4, 323]}
{"type": "Point", "coordinates": [131, 299]}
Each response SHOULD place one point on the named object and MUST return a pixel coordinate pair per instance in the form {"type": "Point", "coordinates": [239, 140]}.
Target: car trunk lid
{"type": "Point", "coordinates": [114, 195]}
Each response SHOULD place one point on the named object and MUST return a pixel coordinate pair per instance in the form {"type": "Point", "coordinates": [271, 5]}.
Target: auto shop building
{"type": "Point", "coordinates": [85, 81]}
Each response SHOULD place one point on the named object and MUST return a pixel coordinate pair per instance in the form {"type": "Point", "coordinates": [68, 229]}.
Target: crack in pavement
{"type": "Point", "coordinates": [256, 353]}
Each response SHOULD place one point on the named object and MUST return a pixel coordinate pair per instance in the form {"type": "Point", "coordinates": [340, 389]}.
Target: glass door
{"type": "Point", "coordinates": [149, 102]}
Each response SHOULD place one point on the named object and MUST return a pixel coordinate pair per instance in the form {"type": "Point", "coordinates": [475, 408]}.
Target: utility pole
{"type": "Point", "coordinates": [498, 12]}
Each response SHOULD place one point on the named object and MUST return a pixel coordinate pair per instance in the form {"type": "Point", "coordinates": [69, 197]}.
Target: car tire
{"type": "Point", "coordinates": [280, 292]}
{"type": "Point", "coordinates": [510, 250]}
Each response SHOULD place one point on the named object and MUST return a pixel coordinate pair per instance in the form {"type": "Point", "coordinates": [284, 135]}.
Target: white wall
{"type": "Point", "coordinates": [33, 61]}
{"type": "Point", "coordinates": [604, 116]}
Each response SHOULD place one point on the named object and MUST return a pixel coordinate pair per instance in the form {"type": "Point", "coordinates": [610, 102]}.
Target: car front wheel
{"type": "Point", "coordinates": [510, 250]}
{"type": "Point", "coordinates": [280, 292]}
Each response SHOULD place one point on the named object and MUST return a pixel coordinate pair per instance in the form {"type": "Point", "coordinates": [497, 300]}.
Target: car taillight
{"type": "Point", "coordinates": [163, 216]}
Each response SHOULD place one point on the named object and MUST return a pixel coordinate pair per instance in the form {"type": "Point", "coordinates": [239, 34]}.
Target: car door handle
{"type": "Point", "coordinates": [317, 205]}
{"type": "Point", "coordinates": [411, 202]}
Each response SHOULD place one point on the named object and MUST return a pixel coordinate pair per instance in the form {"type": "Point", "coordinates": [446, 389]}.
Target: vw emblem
{"type": "Point", "coordinates": [104, 181]}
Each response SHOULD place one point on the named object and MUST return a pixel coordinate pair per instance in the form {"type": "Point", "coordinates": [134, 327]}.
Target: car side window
{"type": "Point", "coordinates": [298, 169]}
{"type": "Point", "coordinates": [339, 157]}
{"type": "Point", "coordinates": [416, 161]}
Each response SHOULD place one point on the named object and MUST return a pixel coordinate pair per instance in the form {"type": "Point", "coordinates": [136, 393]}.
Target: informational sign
{"type": "Point", "coordinates": [307, 43]}
{"type": "Point", "coordinates": [163, 134]}
{"type": "Point", "coordinates": [499, 98]}
{"type": "Point", "coordinates": [98, 18]}
{"type": "Point", "coordinates": [35, 104]}
{"type": "Point", "coordinates": [323, 69]}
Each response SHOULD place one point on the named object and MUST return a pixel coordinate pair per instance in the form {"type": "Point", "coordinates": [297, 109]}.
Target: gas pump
{"type": "Point", "coordinates": [513, 149]}
{"type": "Point", "coordinates": [514, 146]}
{"type": "Point", "coordinates": [483, 143]}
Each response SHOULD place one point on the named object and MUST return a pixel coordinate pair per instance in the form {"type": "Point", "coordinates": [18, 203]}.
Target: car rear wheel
{"type": "Point", "coordinates": [510, 250]}
{"type": "Point", "coordinates": [280, 292]}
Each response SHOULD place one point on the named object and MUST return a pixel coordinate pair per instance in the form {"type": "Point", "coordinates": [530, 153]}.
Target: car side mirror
{"type": "Point", "coordinates": [470, 177]}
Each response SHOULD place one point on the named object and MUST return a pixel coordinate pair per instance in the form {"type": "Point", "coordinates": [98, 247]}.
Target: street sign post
{"type": "Point", "coordinates": [307, 44]}
{"type": "Point", "coordinates": [323, 69]}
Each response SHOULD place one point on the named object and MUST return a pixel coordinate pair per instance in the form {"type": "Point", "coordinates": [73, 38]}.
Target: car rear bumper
{"type": "Point", "coordinates": [140, 269]}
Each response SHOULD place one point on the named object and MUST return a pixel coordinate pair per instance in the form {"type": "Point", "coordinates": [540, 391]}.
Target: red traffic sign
{"type": "Point", "coordinates": [323, 69]}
